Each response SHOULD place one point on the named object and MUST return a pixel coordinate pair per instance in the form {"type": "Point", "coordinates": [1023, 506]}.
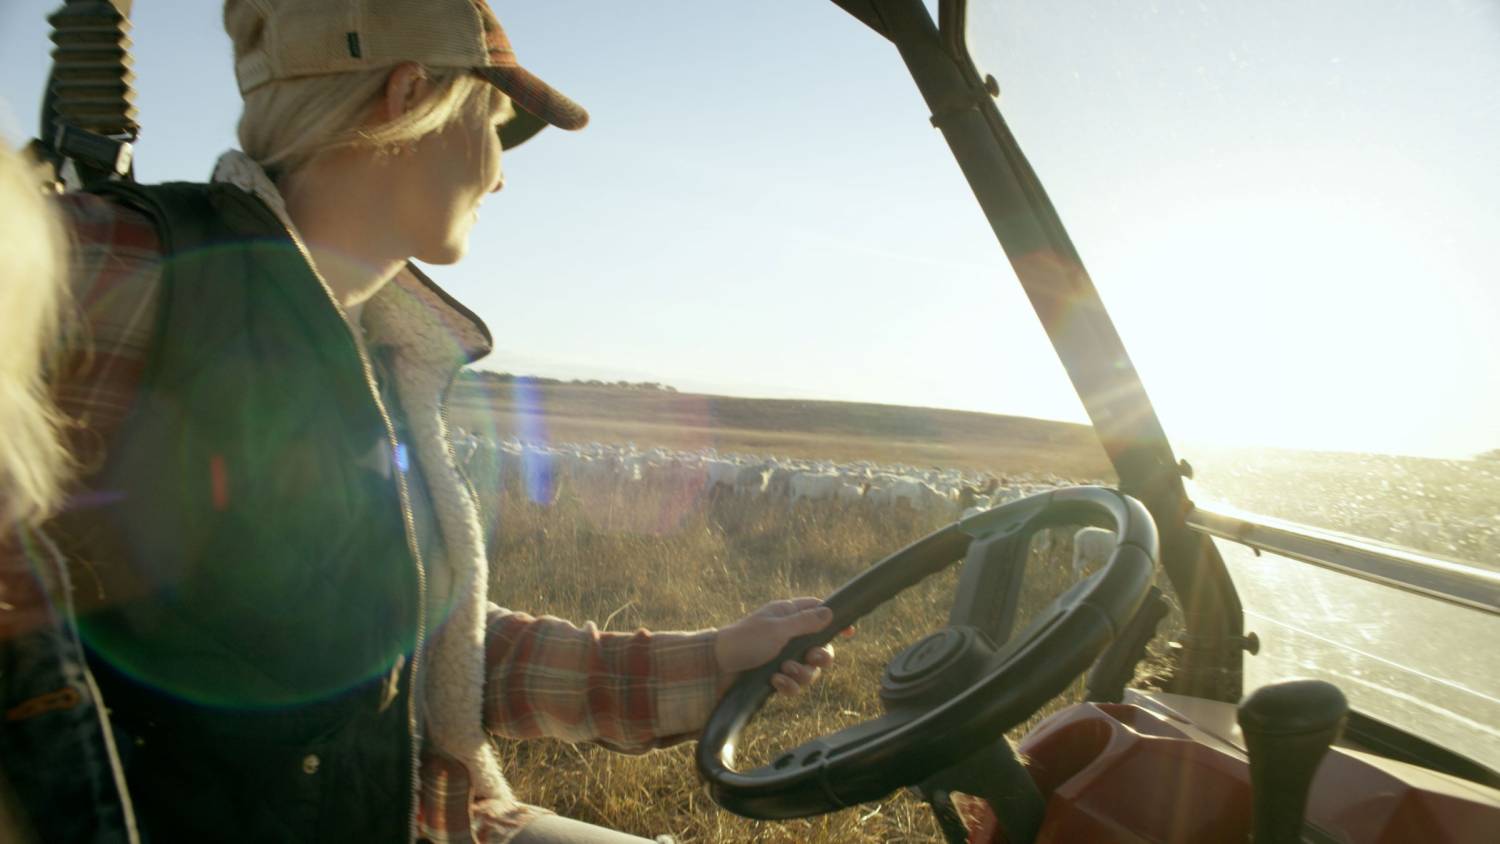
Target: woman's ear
{"type": "Point", "coordinates": [406, 86]}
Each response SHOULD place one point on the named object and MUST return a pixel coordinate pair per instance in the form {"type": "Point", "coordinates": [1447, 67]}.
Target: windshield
{"type": "Point", "coordinates": [1289, 211]}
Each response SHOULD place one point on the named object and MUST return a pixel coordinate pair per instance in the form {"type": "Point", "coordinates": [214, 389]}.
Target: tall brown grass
{"type": "Point", "coordinates": [667, 554]}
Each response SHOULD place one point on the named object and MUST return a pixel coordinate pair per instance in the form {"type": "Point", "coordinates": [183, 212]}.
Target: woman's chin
{"type": "Point", "coordinates": [447, 253]}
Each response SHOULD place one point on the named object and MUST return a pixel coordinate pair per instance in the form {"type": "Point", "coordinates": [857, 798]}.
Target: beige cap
{"type": "Point", "coordinates": [317, 37]}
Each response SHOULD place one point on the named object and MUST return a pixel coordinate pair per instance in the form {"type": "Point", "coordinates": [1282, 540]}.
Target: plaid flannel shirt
{"type": "Point", "coordinates": [544, 676]}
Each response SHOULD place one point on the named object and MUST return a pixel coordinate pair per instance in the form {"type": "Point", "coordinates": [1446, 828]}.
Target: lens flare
{"type": "Point", "coordinates": [538, 472]}
{"type": "Point", "coordinates": [171, 601]}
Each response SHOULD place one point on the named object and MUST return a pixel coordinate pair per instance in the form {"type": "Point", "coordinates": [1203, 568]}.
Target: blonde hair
{"type": "Point", "coordinates": [289, 122]}
{"type": "Point", "coordinates": [33, 460]}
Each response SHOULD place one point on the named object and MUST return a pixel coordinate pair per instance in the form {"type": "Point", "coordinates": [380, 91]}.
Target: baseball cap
{"type": "Point", "coordinates": [317, 37]}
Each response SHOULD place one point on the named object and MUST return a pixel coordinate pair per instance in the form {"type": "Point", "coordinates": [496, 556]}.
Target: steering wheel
{"type": "Point", "coordinates": [958, 690]}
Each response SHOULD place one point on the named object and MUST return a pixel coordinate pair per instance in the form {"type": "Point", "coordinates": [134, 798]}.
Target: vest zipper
{"type": "Point", "coordinates": [408, 521]}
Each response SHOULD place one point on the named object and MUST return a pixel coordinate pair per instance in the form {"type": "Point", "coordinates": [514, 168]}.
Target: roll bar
{"type": "Point", "coordinates": [89, 120]}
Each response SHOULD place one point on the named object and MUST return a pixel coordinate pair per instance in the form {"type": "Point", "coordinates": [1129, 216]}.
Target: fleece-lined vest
{"type": "Point", "coordinates": [260, 600]}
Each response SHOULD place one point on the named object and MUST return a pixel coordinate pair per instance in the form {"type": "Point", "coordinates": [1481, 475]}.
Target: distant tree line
{"type": "Point", "coordinates": [1490, 455]}
{"type": "Point", "coordinates": [480, 378]}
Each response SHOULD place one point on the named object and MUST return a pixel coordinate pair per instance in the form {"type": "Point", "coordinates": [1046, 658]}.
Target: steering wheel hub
{"type": "Point", "coordinates": [935, 667]}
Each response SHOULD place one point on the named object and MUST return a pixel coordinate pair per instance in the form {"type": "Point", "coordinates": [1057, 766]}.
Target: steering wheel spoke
{"type": "Point", "coordinates": [989, 585]}
{"type": "Point", "coordinates": [1041, 623]}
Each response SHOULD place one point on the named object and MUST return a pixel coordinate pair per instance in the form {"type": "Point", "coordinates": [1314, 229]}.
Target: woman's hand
{"type": "Point", "coordinates": [758, 637]}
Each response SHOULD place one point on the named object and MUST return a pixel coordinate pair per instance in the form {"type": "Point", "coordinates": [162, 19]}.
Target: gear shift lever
{"type": "Point", "coordinates": [1288, 728]}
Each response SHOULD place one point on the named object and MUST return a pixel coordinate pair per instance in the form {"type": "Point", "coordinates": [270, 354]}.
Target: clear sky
{"type": "Point", "coordinates": [760, 207]}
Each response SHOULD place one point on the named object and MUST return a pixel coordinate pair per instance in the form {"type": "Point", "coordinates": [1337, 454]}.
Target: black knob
{"type": "Point", "coordinates": [1288, 729]}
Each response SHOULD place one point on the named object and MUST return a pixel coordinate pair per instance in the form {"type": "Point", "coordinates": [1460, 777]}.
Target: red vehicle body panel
{"type": "Point", "coordinates": [1164, 768]}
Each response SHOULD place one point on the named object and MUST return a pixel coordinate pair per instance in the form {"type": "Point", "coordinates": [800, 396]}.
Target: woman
{"type": "Point", "coordinates": [291, 622]}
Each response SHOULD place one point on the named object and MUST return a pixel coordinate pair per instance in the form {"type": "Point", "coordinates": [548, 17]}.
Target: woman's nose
{"type": "Point", "coordinates": [499, 183]}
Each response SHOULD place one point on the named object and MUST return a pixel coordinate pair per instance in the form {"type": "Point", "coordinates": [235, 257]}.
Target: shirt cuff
{"type": "Point", "coordinates": [690, 689]}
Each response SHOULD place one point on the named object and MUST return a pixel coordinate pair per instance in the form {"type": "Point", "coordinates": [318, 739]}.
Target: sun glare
{"type": "Point", "coordinates": [1316, 310]}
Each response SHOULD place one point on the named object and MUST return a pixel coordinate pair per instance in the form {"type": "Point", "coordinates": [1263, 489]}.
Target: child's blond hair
{"type": "Point", "coordinates": [33, 460]}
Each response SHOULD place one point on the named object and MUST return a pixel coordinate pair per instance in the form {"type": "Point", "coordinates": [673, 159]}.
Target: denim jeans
{"type": "Point", "coordinates": [56, 746]}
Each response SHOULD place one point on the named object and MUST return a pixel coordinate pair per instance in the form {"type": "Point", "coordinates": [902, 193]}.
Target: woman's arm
{"type": "Point", "coordinates": [631, 692]}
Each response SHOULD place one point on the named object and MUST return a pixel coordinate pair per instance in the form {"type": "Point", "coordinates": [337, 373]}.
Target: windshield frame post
{"type": "Point", "coordinates": [1073, 315]}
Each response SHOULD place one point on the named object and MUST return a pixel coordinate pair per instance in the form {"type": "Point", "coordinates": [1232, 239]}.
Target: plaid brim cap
{"type": "Point", "coordinates": [538, 104]}
{"type": "Point", "coordinates": [298, 38]}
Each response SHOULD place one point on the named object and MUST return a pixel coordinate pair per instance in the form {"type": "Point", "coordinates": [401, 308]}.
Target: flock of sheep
{"type": "Point", "coordinates": [950, 492]}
